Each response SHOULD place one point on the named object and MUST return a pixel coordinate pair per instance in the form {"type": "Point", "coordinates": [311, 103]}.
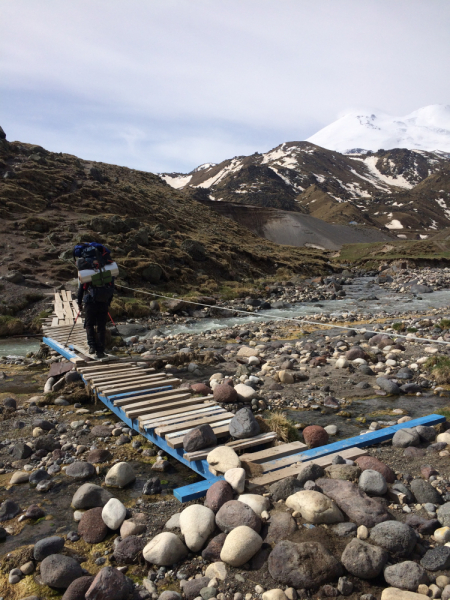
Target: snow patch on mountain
{"type": "Point", "coordinates": [176, 181]}
{"type": "Point", "coordinates": [427, 128]}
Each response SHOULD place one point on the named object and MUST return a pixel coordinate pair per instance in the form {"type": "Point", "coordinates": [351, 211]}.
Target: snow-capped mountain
{"type": "Point", "coordinates": [427, 128]}
{"type": "Point", "coordinates": [405, 191]}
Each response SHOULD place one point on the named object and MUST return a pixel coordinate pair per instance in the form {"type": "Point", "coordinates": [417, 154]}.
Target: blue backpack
{"type": "Point", "coordinates": [93, 253]}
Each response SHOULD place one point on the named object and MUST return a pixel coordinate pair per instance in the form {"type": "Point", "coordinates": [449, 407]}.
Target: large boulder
{"type": "Point", "coordinates": [241, 544]}
{"type": "Point", "coordinates": [223, 458]}
{"type": "Point", "coordinates": [280, 490]}
{"type": "Point", "coordinates": [200, 437]}
{"type": "Point", "coordinates": [109, 584]}
{"type": "Point", "coordinates": [225, 394]}
{"type": "Point", "coordinates": [397, 538]}
{"type": "Point", "coordinates": [306, 566]}
{"type": "Point", "coordinates": [406, 575]}
{"type": "Point", "coordinates": [120, 475]}
{"type": "Point", "coordinates": [78, 588]}
{"type": "Point", "coordinates": [129, 550]}
{"type": "Point", "coordinates": [90, 496]}
{"type": "Point", "coordinates": [425, 492]}
{"type": "Point", "coordinates": [47, 546]}
{"type": "Point", "coordinates": [59, 571]}
{"type": "Point", "coordinates": [281, 527]}
{"type": "Point", "coordinates": [80, 470]}
{"type": "Point", "coordinates": [372, 483]}
{"type": "Point", "coordinates": [234, 514]}
{"type": "Point", "coordinates": [197, 523]}
{"type": "Point", "coordinates": [114, 513]}
{"type": "Point", "coordinates": [315, 507]}
{"type": "Point", "coordinates": [219, 493]}
{"type": "Point", "coordinates": [358, 506]}
{"type": "Point", "coordinates": [436, 559]}
{"type": "Point", "coordinates": [310, 472]}
{"type": "Point", "coordinates": [403, 438]}
{"type": "Point", "coordinates": [388, 386]}
{"type": "Point", "coordinates": [315, 436]}
{"type": "Point", "coordinates": [374, 464]}
{"type": "Point", "coordinates": [243, 424]}
{"type": "Point", "coordinates": [165, 549]}
{"type": "Point", "coordinates": [91, 526]}
{"type": "Point", "coordinates": [364, 560]}
{"type": "Point", "coordinates": [257, 503]}
{"type": "Point", "coordinates": [443, 514]}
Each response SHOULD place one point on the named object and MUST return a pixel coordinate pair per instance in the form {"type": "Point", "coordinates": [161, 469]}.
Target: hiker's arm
{"type": "Point", "coordinates": [80, 295]}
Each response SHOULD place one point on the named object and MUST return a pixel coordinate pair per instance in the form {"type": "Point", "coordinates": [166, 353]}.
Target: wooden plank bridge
{"type": "Point", "coordinates": [155, 405]}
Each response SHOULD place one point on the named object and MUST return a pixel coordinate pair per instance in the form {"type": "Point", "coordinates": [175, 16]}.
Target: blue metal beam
{"type": "Point", "coordinates": [60, 349]}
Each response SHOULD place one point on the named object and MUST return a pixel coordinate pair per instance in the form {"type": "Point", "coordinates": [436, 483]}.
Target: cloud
{"type": "Point", "coordinates": [168, 84]}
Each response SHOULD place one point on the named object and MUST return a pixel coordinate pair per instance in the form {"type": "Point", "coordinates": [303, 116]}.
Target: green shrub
{"type": "Point", "coordinates": [10, 326]}
{"type": "Point", "coordinates": [439, 366]}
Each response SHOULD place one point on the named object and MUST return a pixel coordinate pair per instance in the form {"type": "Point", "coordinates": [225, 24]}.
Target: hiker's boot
{"type": "Point", "coordinates": [100, 354]}
{"type": "Point", "coordinates": [91, 350]}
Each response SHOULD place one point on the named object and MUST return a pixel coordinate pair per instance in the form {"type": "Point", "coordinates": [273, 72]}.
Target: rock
{"type": "Point", "coordinates": [436, 559]}
{"type": "Point", "coordinates": [165, 549]}
{"type": "Point", "coordinates": [197, 523]}
{"type": "Point", "coordinates": [240, 545]}
{"type": "Point", "coordinates": [80, 470]}
{"type": "Point", "coordinates": [38, 476]}
{"type": "Point", "coordinates": [245, 392]}
{"type": "Point", "coordinates": [131, 527]}
{"type": "Point", "coordinates": [19, 477]}
{"type": "Point", "coordinates": [201, 388]}
{"type": "Point", "coordinates": [345, 586]}
{"type": "Point", "coordinates": [275, 594]}
{"type": "Point", "coordinates": [344, 529]}
{"type": "Point", "coordinates": [219, 493]}
{"type": "Point", "coordinates": [246, 352]}
{"type": "Point", "coordinates": [425, 492]}
{"type": "Point", "coordinates": [59, 571]}
{"type": "Point", "coordinates": [8, 510]}
{"type": "Point", "coordinates": [406, 575]}
{"type": "Point", "coordinates": [424, 526]}
{"type": "Point", "coordinates": [236, 478]}
{"type": "Point", "coordinates": [399, 487]}
{"type": "Point", "coordinates": [388, 386]}
{"type": "Point", "coordinates": [355, 352]}
{"type": "Point", "coordinates": [160, 465]}
{"type": "Point", "coordinates": [223, 458]}
{"type": "Point", "coordinates": [152, 486]}
{"type": "Point", "coordinates": [397, 538]}
{"type": "Point", "coordinates": [315, 507]}
{"type": "Point", "coordinates": [214, 548]}
{"type": "Point", "coordinates": [78, 588]}
{"type": "Point", "coordinates": [426, 433]}
{"type": "Point", "coordinates": [257, 503]}
{"type": "Point", "coordinates": [310, 472]}
{"type": "Point", "coordinates": [444, 437]}
{"type": "Point", "coordinates": [34, 512]}
{"type": "Point", "coordinates": [443, 514]}
{"type": "Point", "coordinates": [47, 546]}
{"type": "Point", "coordinates": [344, 471]}
{"type": "Point", "coordinates": [405, 437]}
{"type": "Point", "coordinates": [244, 425]}
{"type": "Point", "coordinates": [285, 377]}
{"type": "Point", "coordinates": [306, 566]}
{"type": "Point", "coordinates": [91, 526]}
{"type": "Point", "coordinates": [129, 550]}
{"type": "Point", "coordinates": [392, 593]}
{"type": "Point", "coordinates": [235, 514]}
{"type": "Point", "coordinates": [314, 436]}
{"type": "Point", "coordinates": [363, 560]}
{"type": "Point", "coordinates": [225, 394]}
{"type": "Point", "coordinates": [20, 451]}
{"type": "Point", "coordinates": [191, 589]}
{"type": "Point", "coordinates": [109, 584]}
{"type": "Point", "coordinates": [359, 508]}
{"type": "Point", "coordinates": [217, 570]}
{"type": "Point", "coordinates": [341, 363]}
{"type": "Point", "coordinates": [280, 490]}
{"type": "Point", "coordinates": [90, 496]}
{"type": "Point", "coordinates": [200, 437]}
{"type": "Point", "coordinates": [370, 462]}
{"type": "Point", "coordinates": [173, 522]}
{"type": "Point", "coordinates": [114, 513]}
{"type": "Point", "coordinates": [120, 475]}
{"type": "Point", "coordinates": [99, 455]}
{"type": "Point", "coordinates": [281, 527]}
{"type": "Point", "coordinates": [101, 431]}
{"type": "Point", "coordinates": [372, 483]}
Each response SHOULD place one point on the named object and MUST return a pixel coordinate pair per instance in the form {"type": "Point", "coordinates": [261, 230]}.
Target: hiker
{"type": "Point", "coordinates": [95, 296]}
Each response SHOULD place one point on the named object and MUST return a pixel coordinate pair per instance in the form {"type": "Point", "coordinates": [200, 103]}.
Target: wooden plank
{"type": "Point", "coordinates": [172, 419]}
{"type": "Point", "coordinates": [101, 367]}
{"type": "Point", "coordinates": [323, 461]}
{"type": "Point", "coordinates": [165, 414]}
{"type": "Point", "coordinates": [69, 295]}
{"type": "Point", "coordinates": [55, 321]}
{"type": "Point", "coordinates": [137, 401]}
{"type": "Point", "coordinates": [123, 375]}
{"type": "Point", "coordinates": [159, 410]}
{"type": "Point", "coordinates": [121, 381]}
{"type": "Point", "coordinates": [141, 386]}
{"type": "Point", "coordinates": [275, 452]}
{"type": "Point", "coordinates": [133, 383]}
{"type": "Point", "coordinates": [162, 431]}
{"type": "Point", "coordinates": [258, 440]}
{"type": "Point", "coordinates": [64, 295]}
{"type": "Point", "coordinates": [219, 430]}
{"type": "Point", "coordinates": [142, 409]}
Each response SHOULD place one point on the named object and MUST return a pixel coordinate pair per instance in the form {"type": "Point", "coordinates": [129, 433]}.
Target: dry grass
{"type": "Point", "coordinates": [280, 424]}
{"type": "Point", "coordinates": [439, 366]}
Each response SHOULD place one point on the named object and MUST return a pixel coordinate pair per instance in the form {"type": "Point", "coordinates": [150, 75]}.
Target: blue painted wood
{"type": "Point", "coordinates": [358, 441]}
{"type": "Point", "coordinates": [194, 490]}
{"type": "Point", "coordinates": [59, 348]}
{"type": "Point", "coordinates": [141, 392]}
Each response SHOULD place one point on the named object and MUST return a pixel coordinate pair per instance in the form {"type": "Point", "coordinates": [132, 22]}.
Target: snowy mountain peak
{"type": "Point", "coordinates": [427, 128]}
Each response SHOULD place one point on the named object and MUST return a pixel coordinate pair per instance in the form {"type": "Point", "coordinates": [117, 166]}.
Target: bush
{"type": "Point", "coordinates": [10, 326]}
{"type": "Point", "coordinates": [440, 368]}
{"type": "Point", "coordinates": [444, 324]}
{"type": "Point", "coordinates": [280, 424]}
{"type": "Point", "coordinates": [398, 327]}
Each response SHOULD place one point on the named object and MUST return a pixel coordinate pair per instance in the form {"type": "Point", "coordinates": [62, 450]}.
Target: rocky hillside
{"type": "Point", "coordinates": [403, 191]}
{"type": "Point", "coordinates": [159, 236]}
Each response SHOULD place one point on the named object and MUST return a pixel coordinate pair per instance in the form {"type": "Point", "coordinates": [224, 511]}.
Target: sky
{"type": "Point", "coordinates": [166, 85]}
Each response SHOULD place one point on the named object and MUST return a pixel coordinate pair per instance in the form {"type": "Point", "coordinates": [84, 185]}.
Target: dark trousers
{"type": "Point", "coordinates": [96, 317]}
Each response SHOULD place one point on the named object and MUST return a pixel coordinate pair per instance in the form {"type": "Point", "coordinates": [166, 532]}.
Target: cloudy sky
{"type": "Point", "coordinates": [165, 85]}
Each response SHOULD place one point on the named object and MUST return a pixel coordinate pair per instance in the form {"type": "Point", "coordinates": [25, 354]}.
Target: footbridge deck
{"type": "Point", "coordinates": [156, 405]}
